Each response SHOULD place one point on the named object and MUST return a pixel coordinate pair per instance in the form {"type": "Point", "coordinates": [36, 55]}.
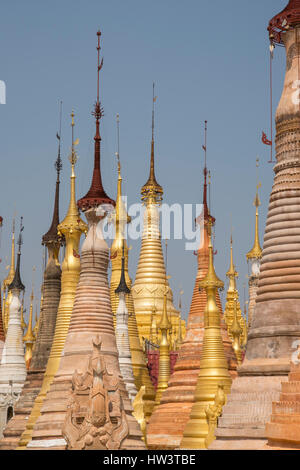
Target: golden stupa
{"type": "Point", "coordinates": [6, 293]}
{"type": "Point", "coordinates": [151, 272]}
{"type": "Point", "coordinates": [164, 370]}
{"type": "Point", "coordinates": [232, 304]}
{"type": "Point", "coordinates": [29, 338]}
{"type": "Point", "coordinates": [214, 381]}
{"type": "Point", "coordinates": [72, 227]}
{"type": "Point", "coordinates": [140, 371]}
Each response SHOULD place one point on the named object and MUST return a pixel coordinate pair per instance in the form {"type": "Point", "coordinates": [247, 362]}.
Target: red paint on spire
{"type": "Point", "coordinates": [288, 17]}
{"type": "Point", "coordinates": [96, 194]}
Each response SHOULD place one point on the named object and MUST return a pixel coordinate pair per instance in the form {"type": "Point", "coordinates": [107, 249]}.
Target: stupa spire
{"type": "Point", "coordinates": [164, 371]}
{"type": "Point", "coordinates": [96, 194]}
{"type": "Point", "coordinates": [152, 191]}
{"type": "Point", "coordinates": [17, 283]}
{"type": "Point", "coordinates": [256, 251]}
{"type": "Point", "coordinates": [29, 338]}
{"type": "Point", "coordinates": [236, 324]}
{"type": "Point", "coordinates": [52, 235]}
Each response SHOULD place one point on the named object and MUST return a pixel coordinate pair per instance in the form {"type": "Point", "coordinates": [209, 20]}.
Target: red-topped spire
{"type": "Point", "coordinates": [96, 195]}
{"type": "Point", "coordinates": [287, 18]}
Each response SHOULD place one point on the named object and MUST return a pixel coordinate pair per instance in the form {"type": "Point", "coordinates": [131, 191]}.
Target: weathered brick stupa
{"type": "Point", "coordinates": [283, 430]}
{"type": "Point", "coordinates": [12, 367]}
{"type": "Point", "coordinates": [71, 228]}
{"type": "Point", "coordinates": [168, 421]}
{"type": "Point", "coordinates": [254, 257]}
{"type": "Point", "coordinates": [44, 335]}
{"type": "Point", "coordinates": [140, 371]}
{"type": "Point", "coordinates": [214, 381]}
{"type": "Point", "coordinates": [276, 320]}
{"type": "Point", "coordinates": [87, 405]}
{"type": "Point", "coordinates": [149, 284]}
{"type": "Point", "coordinates": [6, 293]}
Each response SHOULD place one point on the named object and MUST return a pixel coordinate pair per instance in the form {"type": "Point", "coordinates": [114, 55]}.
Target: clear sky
{"type": "Point", "coordinates": [209, 60]}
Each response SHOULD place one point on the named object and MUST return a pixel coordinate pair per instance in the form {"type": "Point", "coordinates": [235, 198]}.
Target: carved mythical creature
{"type": "Point", "coordinates": [96, 419]}
{"type": "Point", "coordinates": [213, 412]}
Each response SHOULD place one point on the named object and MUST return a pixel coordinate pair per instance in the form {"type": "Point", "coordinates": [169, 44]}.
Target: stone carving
{"type": "Point", "coordinates": [213, 412]}
{"type": "Point", "coordinates": [95, 419]}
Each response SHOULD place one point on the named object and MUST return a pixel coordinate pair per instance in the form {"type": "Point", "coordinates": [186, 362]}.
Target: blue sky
{"type": "Point", "coordinates": [209, 60]}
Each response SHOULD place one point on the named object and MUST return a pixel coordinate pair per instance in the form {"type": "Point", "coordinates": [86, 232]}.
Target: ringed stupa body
{"type": "Point", "coordinates": [276, 320]}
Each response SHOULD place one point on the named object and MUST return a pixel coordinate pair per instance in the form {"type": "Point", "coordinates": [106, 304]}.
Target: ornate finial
{"type": "Point", "coordinates": [96, 194]}
{"type": "Point", "coordinates": [118, 145]}
{"type": "Point", "coordinates": [58, 163]}
{"type": "Point", "coordinates": [256, 252]}
{"type": "Point", "coordinates": [51, 236]}
{"type": "Point", "coordinates": [73, 156]}
{"type": "Point", "coordinates": [152, 191]}
{"type": "Point", "coordinates": [231, 273]}
{"type": "Point", "coordinates": [211, 279]}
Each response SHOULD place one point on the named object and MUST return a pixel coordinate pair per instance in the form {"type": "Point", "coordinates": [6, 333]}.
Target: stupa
{"type": "Point", "coordinates": [151, 273]}
{"type": "Point", "coordinates": [2, 337]}
{"type": "Point", "coordinates": [214, 381]}
{"type": "Point", "coordinates": [12, 367]}
{"type": "Point", "coordinates": [122, 335]}
{"type": "Point", "coordinates": [44, 335]}
{"type": "Point", "coordinates": [29, 338]}
{"type": "Point", "coordinates": [168, 421]}
{"type": "Point", "coordinates": [140, 371]}
{"type": "Point", "coordinates": [71, 229]}
{"type": "Point", "coordinates": [88, 383]}
{"type": "Point", "coordinates": [276, 320]}
{"type": "Point", "coordinates": [236, 324]}
{"type": "Point", "coordinates": [254, 257]}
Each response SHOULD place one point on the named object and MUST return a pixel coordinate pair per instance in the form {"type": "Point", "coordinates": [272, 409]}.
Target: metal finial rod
{"type": "Point", "coordinates": [58, 163]}
{"type": "Point", "coordinates": [153, 101]}
{"type": "Point", "coordinates": [99, 65]}
{"type": "Point", "coordinates": [166, 243]}
{"type": "Point", "coordinates": [33, 273]}
{"type": "Point", "coordinates": [205, 144]}
{"type": "Point", "coordinates": [118, 138]}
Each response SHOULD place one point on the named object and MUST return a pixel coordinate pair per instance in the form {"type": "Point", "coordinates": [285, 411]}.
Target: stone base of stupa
{"type": "Point", "coordinates": [283, 429]}
{"type": "Point", "coordinates": [249, 406]}
{"type": "Point", "coordinates": [17, 424]}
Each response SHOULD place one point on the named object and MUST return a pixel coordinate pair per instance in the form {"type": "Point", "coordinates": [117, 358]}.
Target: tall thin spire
{"type": "Point", "coordinates": [17, 283]}
{"type": "Point", "coordinates": [152, 190]}
{"type": "Point", "coordinates": [11, 272]}
{"type": "Point", "coordinates": [122, 287]}
{"type": "Point", "coordinates": [96, 194]}
{"type": "Point", "coordinates": [256, 252]}
{"type": "Point", "coordinates": [205, 184]}
{"type": "Point", "coordinates": [51, 235]}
